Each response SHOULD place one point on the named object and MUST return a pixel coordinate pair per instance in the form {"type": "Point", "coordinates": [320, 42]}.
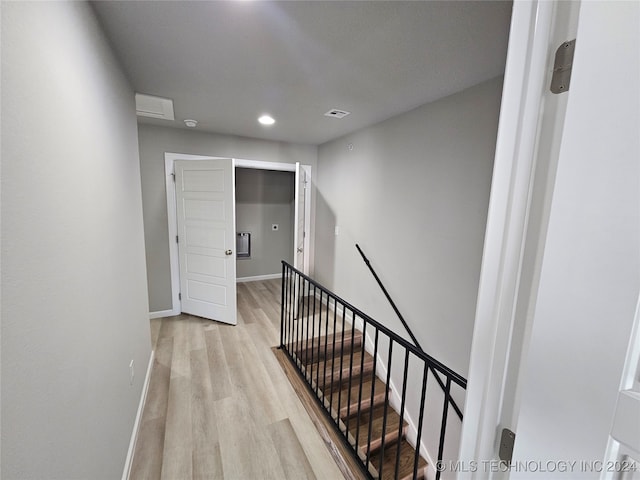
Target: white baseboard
{"type": "Point", "coordinates": [136, 425]}
{"type": "Point", "coordinates": [162, 314]}
{"type": "Point", "coordinates": [258, 278]}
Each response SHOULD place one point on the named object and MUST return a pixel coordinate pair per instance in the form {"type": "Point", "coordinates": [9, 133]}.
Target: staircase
{"type": "Point", "coordinates": [344, 379]}
{"type": "Point", "coordinates": [323, 338]}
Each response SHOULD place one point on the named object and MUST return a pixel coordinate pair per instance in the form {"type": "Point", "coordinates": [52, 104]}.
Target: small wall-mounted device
{"type": "Point", "coordinates": [275, 226]}
{"type": "Point", "coordinates": [243, 245]}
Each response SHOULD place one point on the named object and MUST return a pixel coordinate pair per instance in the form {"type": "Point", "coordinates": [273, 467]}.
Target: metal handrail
{"type": "Point", "coordinates": [305, 314]}
{"type": "Point", "coordinates": [457, 378]}
{"type": "Point", "coordinates": [406, 326]}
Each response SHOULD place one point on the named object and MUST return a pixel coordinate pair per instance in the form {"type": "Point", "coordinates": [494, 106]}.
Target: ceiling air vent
{"type": "Point", "coordinates": [154, 107]}
{"type": "Point", "coordinates": [335, 113]}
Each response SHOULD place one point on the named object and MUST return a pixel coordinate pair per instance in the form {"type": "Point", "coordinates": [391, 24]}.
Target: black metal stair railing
{"type": "Point", "coordinates": [406, 326]}
{"type": "Point", "coordinates": [319, 333]}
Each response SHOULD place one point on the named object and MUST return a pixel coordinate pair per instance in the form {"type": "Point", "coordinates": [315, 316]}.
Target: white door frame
{"type": "Point", "coordinates": [169, 159]}
{"type": "Point", "coordinates": [307, 219]}
{"type": "Point", "coordinates": [624, 439]}
{"type": "Point", "coordinates": [506, 232]}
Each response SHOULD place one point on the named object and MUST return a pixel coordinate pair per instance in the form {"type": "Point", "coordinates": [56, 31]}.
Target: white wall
{"type": "Point", "coordinates": [74, 297]}
{"type": "Point", "coordinates": [590, 277]}
{"type": "Point", "coordinates": [265, 197]}
{"type": "Point", "coordinates": [413, 192]}
{"type": "Point", "coordinates": [154, 142]}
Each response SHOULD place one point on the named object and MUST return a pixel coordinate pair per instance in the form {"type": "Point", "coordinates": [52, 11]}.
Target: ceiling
{"type": "Point", "coordinates": [226, 62]}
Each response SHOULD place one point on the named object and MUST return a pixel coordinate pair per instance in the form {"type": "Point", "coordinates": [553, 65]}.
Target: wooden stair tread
{"type": "Point", "coordinates": [343, 369]}
{"type": "Point", "coordinates": [343, 357]}
{"type": "Point", "coordinates": [344, 377]}
{"type": "Point", "coordinates": [421, 474]}
{"type": "Point", "coordinates": [407, 457]}
{"type": "Point", "coordinates": [390, 439]}
{"type": "Point", "coordinates": [365, 404]}
{"type": "Point", "coordinates": [342, 394]}
{"type": "Point", "coordinates": [392, 425]}
{"type": "Point", "coordinates": [334, 362]}
{"type": "Point", "coordinates": [328, 346]}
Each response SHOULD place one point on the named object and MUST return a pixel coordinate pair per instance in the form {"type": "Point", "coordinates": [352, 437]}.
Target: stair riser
{"type": "Point", "coordinates": [365, 406]}
{"type": "Point", "coordinates": [355, 375]}
{"type": "Point", "coordinates": [317, 352]}
{"type": "Point", "coordinates": [390, 440]}
{"type": "Point", "coordinates": [341, 376]}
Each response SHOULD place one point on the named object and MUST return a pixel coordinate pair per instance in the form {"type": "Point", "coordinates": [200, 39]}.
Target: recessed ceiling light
{"type": "Point", "coordinates": [266, 120]}
{"type": "Point", "coordinates": [191, 123]}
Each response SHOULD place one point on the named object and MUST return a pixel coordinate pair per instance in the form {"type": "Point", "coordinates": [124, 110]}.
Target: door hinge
{"type": "Point", "coordinates": [562, 67]}
{"type": "Point", "coordinates": [174, 177]}
{"type": "Point", "coordinates": [179, 296]}
{"type": "Point", "coordinates": [177, 239]}
{"type": "Point", "coordinates": [507, 440]}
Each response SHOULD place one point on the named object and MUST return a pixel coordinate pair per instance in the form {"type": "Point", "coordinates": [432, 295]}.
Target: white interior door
{"type": "Point", "coordinates": [561, 384]}
{"type": "Point", "coordinates": [302, 220]}
{"type": "Point", "coordinates": [623, 451]}
{"type": "Point", "coordinates": [205, 203]}
{"type": "Point", "coordinates": [588, 290]}
{"type": "Point", "coordinates": [554, 106]}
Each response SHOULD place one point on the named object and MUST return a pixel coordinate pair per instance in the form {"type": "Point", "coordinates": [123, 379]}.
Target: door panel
{"type": "Point", "coordinates": [206, 232]}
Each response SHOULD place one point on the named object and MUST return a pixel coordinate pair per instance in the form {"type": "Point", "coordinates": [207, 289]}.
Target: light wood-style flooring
{"type": "Point", "coordinates": [220, 407]}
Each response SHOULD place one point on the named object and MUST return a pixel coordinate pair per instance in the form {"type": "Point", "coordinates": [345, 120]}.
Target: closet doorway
{"type": "Point", "coordinates": [300, 223]}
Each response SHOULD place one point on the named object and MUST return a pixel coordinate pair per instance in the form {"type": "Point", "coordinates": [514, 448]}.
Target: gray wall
{"type": "Point", "coordinates": [154, 142]}
{"type": "Point", "coordinates": [74, 296]}
{"type": "Point", "coordinates": [265, 197]}
{"type": "Point", "coordinates": [413, 192]}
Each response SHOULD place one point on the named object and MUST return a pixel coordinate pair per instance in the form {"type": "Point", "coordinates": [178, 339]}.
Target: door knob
{"type": "Point", "coordinates": [228, 252]}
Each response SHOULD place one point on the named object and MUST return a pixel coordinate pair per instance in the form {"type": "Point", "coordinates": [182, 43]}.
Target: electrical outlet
{"type": "Point", "coordinates": [337, 230]}
{"type": "Point", "coordinates": [275, 226]}
{"type": "Point", "coordinates": [132, 373]}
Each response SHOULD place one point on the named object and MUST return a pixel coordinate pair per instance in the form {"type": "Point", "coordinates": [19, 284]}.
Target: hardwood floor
{"type": "Point", "coordinates": [219, 405]}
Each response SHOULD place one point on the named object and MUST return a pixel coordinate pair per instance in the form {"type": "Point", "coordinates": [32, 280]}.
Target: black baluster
{"type": "Point", "coordinates": [425, 372]}
{"type": "Point", "coordinates": [443, 426]}
{"type": "Point", "coordinates": [402, 405]}
{"type": "Point", "coordinates": [373, 388]}
{"type": "Point", "coordinates": [386, 407]}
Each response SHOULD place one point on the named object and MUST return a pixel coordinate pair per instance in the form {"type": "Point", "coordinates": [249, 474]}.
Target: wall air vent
{"type": "Point", "coordinates": [335, 113]}
{"type": "Point", "coordinates": [154, 107]}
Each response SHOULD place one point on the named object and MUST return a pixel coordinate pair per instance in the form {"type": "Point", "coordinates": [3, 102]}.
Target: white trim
{"type": "Point", "coordinates": [306, 241]}
{"type": "Point", "coordinates": [307, 221]}
{"type": "Point", "coordinates": [258, 165]}
{"type": "Point", "coordinates": [136, 425]}
{"type": "Point", "coordinates": [629, 381]}
{"type": "Point", "coordinates": [506, 231]}
{"type": "Point", "coordinates": [161, 314]}
{"type": "Point", "coordinates": [172, 228]}
{"type": "Point", "coordinates": [257, 278]}
{"type": "Point", "coordinates": [296, 219]}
